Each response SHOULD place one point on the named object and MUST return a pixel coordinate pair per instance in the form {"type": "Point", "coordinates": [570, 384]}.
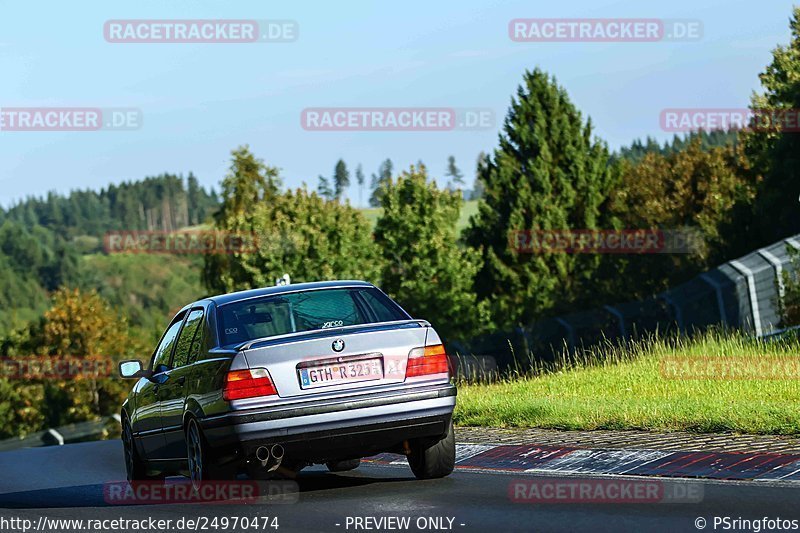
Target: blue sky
{"type": "Point", "coordinates": [199, 101]}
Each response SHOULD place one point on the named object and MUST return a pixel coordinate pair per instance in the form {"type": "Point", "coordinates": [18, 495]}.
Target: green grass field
{"type": "Point", "coordinates": [470, 208]}
{"type": "Point", "coordinates": [713, 384]}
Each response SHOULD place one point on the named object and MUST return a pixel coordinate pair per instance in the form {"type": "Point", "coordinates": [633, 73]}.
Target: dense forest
{"type": "Point", "coordinates": [55, 241]}
{"type": "Point", "coordinates": [165, 202]}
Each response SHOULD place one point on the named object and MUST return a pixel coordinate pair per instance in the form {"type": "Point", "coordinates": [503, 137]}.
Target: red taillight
{"type": "Point", "coordinates": [248, 384]}
{"type": "Point", "coordinates": [426, 361]}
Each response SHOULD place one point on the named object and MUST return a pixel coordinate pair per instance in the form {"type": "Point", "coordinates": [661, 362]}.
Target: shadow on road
{"type": "Point", "coordinates": [93, 495]}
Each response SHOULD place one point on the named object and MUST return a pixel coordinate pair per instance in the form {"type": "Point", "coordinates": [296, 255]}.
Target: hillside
{"type": "Point", "coordinates": [147, 289]}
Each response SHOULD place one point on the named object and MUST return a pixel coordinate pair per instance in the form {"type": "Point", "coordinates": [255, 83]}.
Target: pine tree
{"type": "Point", "coordinates": [379, 181]}
{"type": "Point", "coordinates": [477, 185]}
{"type": "Point", "coordinates": [341, 179]}
{"type": "Point", "coordinates": [324, 188]}
{"type": "Point", "coordinates": [193, 196]}
{"type": "Point", "coordinates": [453, 173]}
{"type": "Point", "coordinates": [360, 181]}
{"type": "Point", "coordinates": [547, 174]}
{"type": "Point", "coordinates": [775, 154]}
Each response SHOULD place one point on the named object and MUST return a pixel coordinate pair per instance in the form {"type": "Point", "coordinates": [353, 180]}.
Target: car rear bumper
{"type": "Point", "coordinates": [337, 429]}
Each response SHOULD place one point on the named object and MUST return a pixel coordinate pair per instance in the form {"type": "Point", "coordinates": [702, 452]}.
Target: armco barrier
{"type": "Point", "coordinates": [743, 294]}
{"type": "Point", "coordinates": [78, 432]}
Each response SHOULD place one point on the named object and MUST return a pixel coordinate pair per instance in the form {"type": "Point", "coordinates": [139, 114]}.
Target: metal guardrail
{"type": "Point", "coordinates": [78, 432]}
{"type": "Point", "coordinates": [781, 332]}
{"type": "Point", "coordinates": [744, 294]}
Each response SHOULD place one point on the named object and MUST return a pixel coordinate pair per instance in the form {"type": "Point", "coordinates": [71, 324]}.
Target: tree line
{"type": "Point", "coordinates": [164, 202]}
{"type": "Point", "coordinates": [334, 188]}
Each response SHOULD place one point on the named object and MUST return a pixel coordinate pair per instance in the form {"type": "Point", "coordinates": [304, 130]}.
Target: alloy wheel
{"type": "Point", "coordinates": [127, 445]}
{"type": "Point", "coordinates": [194, 444]}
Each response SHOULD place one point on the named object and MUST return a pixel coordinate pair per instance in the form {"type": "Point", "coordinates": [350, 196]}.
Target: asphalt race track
{"type": "Point", "coordinates": [68, 482]}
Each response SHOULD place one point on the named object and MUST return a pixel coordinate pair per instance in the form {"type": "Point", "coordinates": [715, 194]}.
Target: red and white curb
{"type": "Point", "coordinates": [565, 460]}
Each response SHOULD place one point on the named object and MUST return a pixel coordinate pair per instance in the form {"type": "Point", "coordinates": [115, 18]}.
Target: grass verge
{"type": "Point", "coordinates": [714, 383]}
{"type": "Point", "coordinates": [470, 207]}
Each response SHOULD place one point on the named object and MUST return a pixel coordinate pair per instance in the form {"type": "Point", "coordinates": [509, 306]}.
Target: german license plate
{"type": "Point", "coordinates": [344, 372]}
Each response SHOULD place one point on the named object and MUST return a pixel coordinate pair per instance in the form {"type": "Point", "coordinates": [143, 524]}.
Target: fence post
{"type": "Point", "coordinates": [751, 291]}
{"type": "Point", "coordinates": [56, 435]}
{"type": "Point", "coordinates": [778, 266]}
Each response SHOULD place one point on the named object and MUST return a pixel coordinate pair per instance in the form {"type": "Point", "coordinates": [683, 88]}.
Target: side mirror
{"type": "Point", "coordinates": [131, 369]}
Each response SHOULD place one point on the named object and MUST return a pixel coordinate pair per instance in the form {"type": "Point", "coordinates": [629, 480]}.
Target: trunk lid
{"type": "Point", "coordinates": [337, 360]}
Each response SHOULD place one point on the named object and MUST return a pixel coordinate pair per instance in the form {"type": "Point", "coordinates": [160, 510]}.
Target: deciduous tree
{"type": "Point", "coordinates": [424, 268]}
{"type": "Point", "coordinates": [297, 233]}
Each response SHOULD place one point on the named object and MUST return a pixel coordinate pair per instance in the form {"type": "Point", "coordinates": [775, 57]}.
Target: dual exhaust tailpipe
{"type": "Point", "coordinates": [270, 458]}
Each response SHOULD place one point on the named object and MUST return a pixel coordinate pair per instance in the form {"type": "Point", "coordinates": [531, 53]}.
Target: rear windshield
{"type": "Point", "coordinates": [304, 311]}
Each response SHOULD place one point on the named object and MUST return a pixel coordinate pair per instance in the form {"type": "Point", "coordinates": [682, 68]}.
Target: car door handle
{"type": "Point", "coordinates": [181, 380]}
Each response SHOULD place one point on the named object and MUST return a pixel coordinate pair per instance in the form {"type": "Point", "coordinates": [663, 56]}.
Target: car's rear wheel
{"type": "Point", "coordinates": [197, 453]}
{"type": "Point", "coordinates": [343, 466]}
{"type": "Point", "coordinates": [433, 459]}
{"type": "Point", "coordinates": [135, 466]}
{"type": "Point", "coordinates": [200, 457]}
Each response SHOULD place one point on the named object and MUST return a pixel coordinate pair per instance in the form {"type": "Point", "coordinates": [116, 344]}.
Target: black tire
{"type": "Point", "coordinates": [343, 466]}
{"type": "Point", "coordinates": [433, 459]}
{"type": "Point", "coordinates": [135, 466]}
{"type": "Point", "coordinates": [197, 454]}
{"type": "Point", "coordinates": [200, 457]}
